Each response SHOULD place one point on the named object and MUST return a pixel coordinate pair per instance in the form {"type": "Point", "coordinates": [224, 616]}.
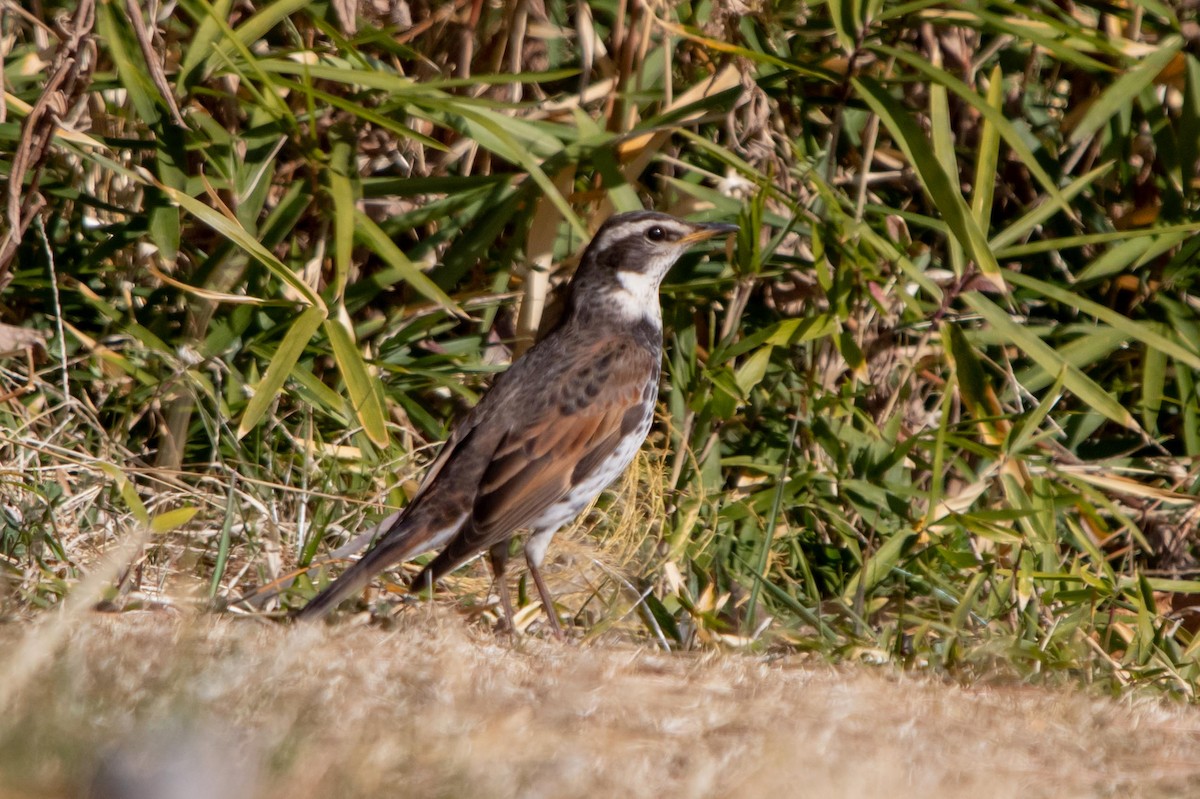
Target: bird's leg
{"type": "Point", "coordinates": [535, 551]}
{"type": "Point", "coordinates": [547, 600]}
{"type": "Point", "coordinates": [499, 557]}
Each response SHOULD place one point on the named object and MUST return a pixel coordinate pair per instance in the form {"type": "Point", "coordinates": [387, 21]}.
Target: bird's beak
{"type": "Point", "coordinates": [708, 230]}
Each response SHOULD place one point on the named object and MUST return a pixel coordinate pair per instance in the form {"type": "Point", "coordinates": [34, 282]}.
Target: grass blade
{"type": "Point", "coordinates": [289, 352]}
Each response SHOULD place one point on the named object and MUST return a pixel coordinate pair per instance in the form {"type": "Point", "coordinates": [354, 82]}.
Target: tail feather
{"type": "Point", "coordinates": [397, 545]}
{"type": "Point", "coordinates": [408, 536]}
{"type": "Point", "coordinates": [460, 549]}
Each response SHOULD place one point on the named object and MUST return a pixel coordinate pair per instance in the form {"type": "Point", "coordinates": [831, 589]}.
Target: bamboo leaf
{"type": "Point", "coordinates": [260, 23]}
{"type": "Point", "coordinates": [205, 38]}
{"type": "Point", "coordinates": [365, 397]}
{"type": "Point", "coordinates": [1125, 89]}
{"type": "Point", "coordinates": [127, 58]}
{"type": "Point", "coordinates": [289, 352]}
{"type": "Point", "coordinates": [1039, 214]}
{"type": "Point", "coordinates": [937, 183]}
{"type": "Point", "coordinates": [751, 373]}
{"type": "Point", "coordinates": [1154, 381]}
{"type": "Point", "coordinates": [233, 230]}
{"type": "Point", "coordinates": [1087, 240]}
{"type": "Point", "coordinates": [1087, 390]}
{"type": "Point", "coordinates": [988, 154]}
{"type": "Point", "coordinates": [170, 520]}
{"type": "Point", "coordinates": [1143, 332]}
{"type": "Point", "coordinates": [1189, 123]}
{"type": "Point", "coordinates": [1027, 429]}
{"type": "Point", "coordinates": [342, 177]}
{"type": "Point", "coordinates": [127, 490]}
{"type": "Point", "coordinates": [973, 385]}
{"type": "Point", "coordinates": [844, 23]}
{"type": "Point", "coordinates": [370, 235]}
{"type": "Point", "coordinates": [879, 566]}
{"type": "Point", "coordinates": [1096, 345]}
{"type": "Point", "coordinates": [993, 116]}
{"type": "Point", "coordinates": [943, 150]}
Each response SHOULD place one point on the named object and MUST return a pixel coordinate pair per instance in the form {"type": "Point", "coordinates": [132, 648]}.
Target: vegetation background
{"type": "Point", "coordinates": [937, 407]}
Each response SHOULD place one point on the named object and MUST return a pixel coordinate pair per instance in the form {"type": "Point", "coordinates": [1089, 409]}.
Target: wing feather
{"type": "Point", "coordinates": [536, 464]}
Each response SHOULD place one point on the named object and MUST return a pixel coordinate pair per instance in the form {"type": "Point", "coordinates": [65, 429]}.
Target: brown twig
{"type": "Point", "coordinates": [153, 60]}
{"type": "Point", "coordinates": [23, 202]}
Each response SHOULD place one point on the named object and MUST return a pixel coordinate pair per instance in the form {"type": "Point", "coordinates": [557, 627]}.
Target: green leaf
{"type": "Point", "coordinates": [369, 115]}
{"type": "Point", "coordinates": [169, 520]}
{"type": "Point", "coordinates": [1025, 431]}
{"type": "Point", "coordinates": [370, 234]}
{"type": "Point", "coordinates": [1095, 345]}
{"type": "Point", "coordinates": [127, 57]}
{"type": "Point", "coordinates": [1069, 44]}
{"type": "Point", "coordinates": [1087, 390]}
{"type": "Point", "coordinates": [988, 154]}
{"type": "Point", "coordinates": [504, 145]}
{"type": "Point", "coordinates": [841, 13]}
{"type": "Point", "coordinates": [879, 566]}
{"type": "Point", "coordinates": [1142, 331]}
{"type": "Point", "coordinates": [238, 235]}
{"type": "Point", "coordinates": [943, 150]}
{"type": "Point", "coordinates": [201, 45]}
{"type": "Point", "coordinates": [171, 159]}
{"type": "Point", "coordinates": [1189, 123]}
{"type": "Point", "coordinates": [1041, 212]}
{"type": "Point", "coordinates": [127, 490]}
{"type": "Point", "coordinates": [223, 543]}
{"type": "Point", "coordinates": [1190, 402]}
{"type": "Point", "coordinates": [968, 372]}
{"type": "Point", "coordinates": [1088, 240]}
{"type": "Point", "coordinates": [941, 189]}
{"type": "Point", "coordinates": [261, 23]}
{"type": "Point", "coordinates": [1125, 89]}
{"type": "Point", "coordinates": [994, 117]}
{"type": "Point", "coordinates": [1154, 380]}
{"type": "Point", "coordinates": [342, 177]}
{"type": "Point", "coordinates": [1115, 260]}
{"type": "Point", "coordinates": [365, 395]}
{"type": "Point", "coordinates": [751, 373]}
{"type": "Point", "coordinates": [290, 349]}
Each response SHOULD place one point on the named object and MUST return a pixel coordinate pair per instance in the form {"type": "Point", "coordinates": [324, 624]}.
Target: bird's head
{"type": "Point", "coordinates": [629, 256]}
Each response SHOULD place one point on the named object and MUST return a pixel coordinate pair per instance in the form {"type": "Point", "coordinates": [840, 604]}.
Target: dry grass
{"type": "Point", "coordinates": [433, 708]}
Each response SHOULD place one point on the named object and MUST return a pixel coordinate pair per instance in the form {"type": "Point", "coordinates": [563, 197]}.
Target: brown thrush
{"type": "Point", "coordinates": [556, 428]}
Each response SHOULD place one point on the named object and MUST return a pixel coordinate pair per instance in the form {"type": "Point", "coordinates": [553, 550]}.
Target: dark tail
{"type": "Point", "coordinates": [460, 549]}
{"type": "Point", "coordinates": [401, 542]}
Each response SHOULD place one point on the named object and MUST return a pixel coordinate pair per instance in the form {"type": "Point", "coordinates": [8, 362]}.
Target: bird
{"type": "Point", "coordinates": [557, 427]}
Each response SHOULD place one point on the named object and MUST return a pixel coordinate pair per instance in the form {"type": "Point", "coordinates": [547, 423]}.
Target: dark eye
{"type": "Point", "coordinates": [656, 233]}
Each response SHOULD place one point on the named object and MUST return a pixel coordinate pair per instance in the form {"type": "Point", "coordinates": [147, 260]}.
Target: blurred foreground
{"type": "Point", "coordinates": [148, 704]}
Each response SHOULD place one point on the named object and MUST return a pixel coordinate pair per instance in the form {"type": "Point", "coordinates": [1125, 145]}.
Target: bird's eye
{"type": "Point", "coordinates": [656, 233]}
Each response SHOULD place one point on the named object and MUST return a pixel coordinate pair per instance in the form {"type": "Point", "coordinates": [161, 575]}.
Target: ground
{"type": "Point", "coordinates": [437, 707]}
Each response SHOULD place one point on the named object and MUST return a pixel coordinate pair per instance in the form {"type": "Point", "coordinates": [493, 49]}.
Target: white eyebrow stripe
{"type": "Point", "coordinates": [642, 225]}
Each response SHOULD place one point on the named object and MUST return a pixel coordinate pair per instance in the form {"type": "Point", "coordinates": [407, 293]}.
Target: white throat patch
{"type": "Point", "coordinates": [638, 295]}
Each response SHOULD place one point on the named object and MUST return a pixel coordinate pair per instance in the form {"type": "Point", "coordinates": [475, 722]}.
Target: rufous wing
{"type": "Point", "coordinates": [537, 463]}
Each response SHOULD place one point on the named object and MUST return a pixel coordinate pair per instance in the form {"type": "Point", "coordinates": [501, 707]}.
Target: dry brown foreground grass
{"type": "Point", "coordinates": [436, 708]}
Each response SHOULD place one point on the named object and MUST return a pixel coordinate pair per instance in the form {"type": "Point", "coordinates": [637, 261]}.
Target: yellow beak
{"type": "Point", "coordinates": [708, 230]}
